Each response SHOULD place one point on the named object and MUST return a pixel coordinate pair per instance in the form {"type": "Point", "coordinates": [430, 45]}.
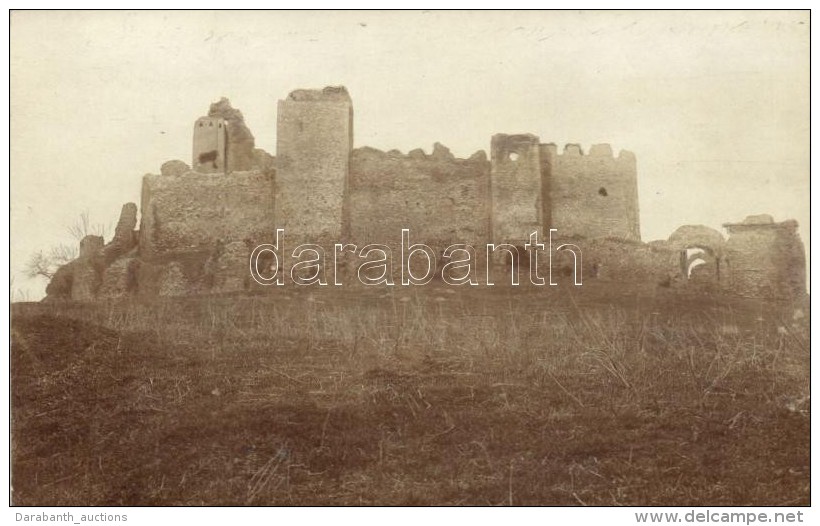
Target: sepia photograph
{"type": "Point", "coordinates": [410, 258]}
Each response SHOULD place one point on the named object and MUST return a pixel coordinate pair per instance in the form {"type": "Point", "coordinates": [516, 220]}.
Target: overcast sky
{"type": "Point", "coordinates": [715, 105]}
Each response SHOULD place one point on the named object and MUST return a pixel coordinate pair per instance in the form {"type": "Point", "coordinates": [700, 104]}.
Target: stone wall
{"type": "Point", "coordinates": [441, 199]}
{"type": "Point", "coordinates": [188, 219]}
{"type": "Point", "coordinates": [594, 195]}
{"type": "Point", "coordinates": [765, 258]}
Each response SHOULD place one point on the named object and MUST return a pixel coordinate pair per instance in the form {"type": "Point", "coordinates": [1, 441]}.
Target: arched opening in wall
{"type": "Point", "coordinates": [695, 263]}
{"type": "Point", "coordinates": [513, 156]}
{"type": "Point", "coordinates": [699, 264]}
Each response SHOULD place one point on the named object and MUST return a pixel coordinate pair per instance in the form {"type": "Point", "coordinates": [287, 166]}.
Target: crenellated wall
{"type": "Point", "coordinates": [593, 195]}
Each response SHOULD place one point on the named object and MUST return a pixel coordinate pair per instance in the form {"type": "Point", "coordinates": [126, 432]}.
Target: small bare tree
{"type": "Point", "coordinates": [82, 227]}
{"type": "Point", "coordinates": [45, 263]}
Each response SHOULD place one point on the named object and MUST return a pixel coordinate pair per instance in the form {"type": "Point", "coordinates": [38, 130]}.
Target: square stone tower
{"type": "Point", "coordinates": [592, 195]}
{"type": "Point", "coordinates": [210, 145]}
{"type": "Point", "coordinates": [516, 188]}
{"type": "Point", "coordinates": [314, 141]}
{"type": "Point", "coordinates": [765, 258]}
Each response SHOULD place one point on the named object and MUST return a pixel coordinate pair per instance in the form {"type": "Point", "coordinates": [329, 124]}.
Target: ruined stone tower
{"type": "Point", "coordinates": [210, 145]}
{"type": "Point", "coordinates": [314, 140]}
{"type": "Point", "coordinates": [240, 141]}
{"type": "Point", "coordinates": [765, 258]}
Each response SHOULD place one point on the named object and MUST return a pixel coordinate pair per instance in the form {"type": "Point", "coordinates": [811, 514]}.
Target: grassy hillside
{"type": "Point", "coordinates": [421, 395]}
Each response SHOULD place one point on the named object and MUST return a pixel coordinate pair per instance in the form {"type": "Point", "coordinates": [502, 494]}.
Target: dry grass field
{"type": "Point", "coordinates": [414, 396]}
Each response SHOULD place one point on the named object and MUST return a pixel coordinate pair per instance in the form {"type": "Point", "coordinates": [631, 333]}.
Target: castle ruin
{"type": "Point", "coordinates": [199, 223]}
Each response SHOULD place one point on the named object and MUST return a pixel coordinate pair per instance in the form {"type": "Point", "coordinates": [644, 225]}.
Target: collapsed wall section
{"type": "Point", "coordinates": [594, 195]}
{"type": "Point", "coordinates": [314, 140]}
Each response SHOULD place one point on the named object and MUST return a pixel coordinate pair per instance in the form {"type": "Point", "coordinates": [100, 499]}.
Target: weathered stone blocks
{"type": "Point", "coordinates": [765, 258]}
{"type": "Point", "coordinates": [190, 213]}
{"type": "Point", "coordinates": [441, 199]}
{"type": "Point", "coordinates": [594, 195]}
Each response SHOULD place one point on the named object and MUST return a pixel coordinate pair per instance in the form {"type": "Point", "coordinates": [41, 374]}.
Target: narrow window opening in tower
{"type": "Point", "coordinates": [602, 192]}
{"type": "Point", "coordinates": [513, 156]}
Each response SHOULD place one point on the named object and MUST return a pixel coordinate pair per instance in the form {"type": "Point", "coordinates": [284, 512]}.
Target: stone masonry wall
{"type": "Point", "coordinates": [189, 219]}
{"type": "Point", "coordinates": [765, 259]}
{"type": "Point", "coordinates": [594, 195]}
{"type": "Point", "coordinates": [441, 199]}
{"type": "Point", "coordinates": [190, 212]}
